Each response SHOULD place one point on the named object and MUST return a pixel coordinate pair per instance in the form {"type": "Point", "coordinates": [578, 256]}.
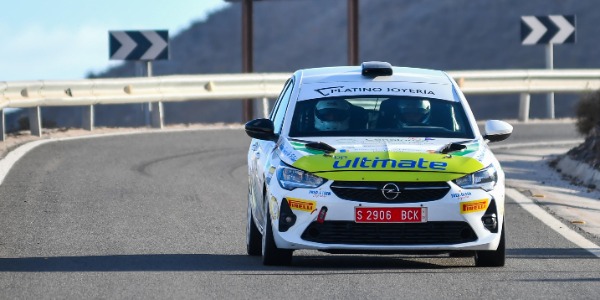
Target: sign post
{"type": "Point", "coordinates": [548, 30]}
{"type": "Point", "coordinates": [147, 46]}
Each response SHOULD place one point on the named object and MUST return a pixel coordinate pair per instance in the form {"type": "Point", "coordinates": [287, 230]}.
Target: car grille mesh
{"type": "Point", "coordinates": [371, 191]}
{"type": "Point", "coordinates": [348, 232]}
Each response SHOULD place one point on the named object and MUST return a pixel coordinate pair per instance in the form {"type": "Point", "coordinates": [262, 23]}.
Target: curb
{"type": "Point", "coordinates": [580, 170]}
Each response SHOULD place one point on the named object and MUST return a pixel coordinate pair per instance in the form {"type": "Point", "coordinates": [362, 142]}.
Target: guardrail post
{"type": "Point", "coordinates": [157, 115]}
{"type": "Point", "coordinates": [2, 126]}
{"type": "Point", "coordinates": [88, 118]}
{"type": "Point", "coordinates": [266, 109]}
{"type": "Point", "coordinates": [550, 66]}
{"type": "Point", "coordinates": [35, 121]}
{"type": "Point", "coordinates": [524, 100]}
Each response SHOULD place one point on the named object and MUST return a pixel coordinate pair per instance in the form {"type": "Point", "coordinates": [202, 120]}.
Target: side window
{"type": "Point", "coordinates": [281, 107]}
{"type": "Point", "coordinates": [278, 101]}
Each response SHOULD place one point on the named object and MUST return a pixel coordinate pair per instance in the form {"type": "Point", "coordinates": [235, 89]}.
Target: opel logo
{"type": "Point", "coordinates": [390, 191]}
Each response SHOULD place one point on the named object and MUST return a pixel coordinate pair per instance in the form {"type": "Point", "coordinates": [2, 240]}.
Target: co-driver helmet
{"type": "Point", "coordinates": [414, 112]}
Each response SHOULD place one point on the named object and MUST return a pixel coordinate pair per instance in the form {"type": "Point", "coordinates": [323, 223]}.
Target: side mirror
{"type": "Point", "coordinates": [261, 129]}
{"type": "Point", "coordinates": [496, 131]}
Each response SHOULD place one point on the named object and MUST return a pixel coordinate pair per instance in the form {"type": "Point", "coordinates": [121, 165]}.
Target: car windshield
{"type": "Point", "coordinates": [380, 116]}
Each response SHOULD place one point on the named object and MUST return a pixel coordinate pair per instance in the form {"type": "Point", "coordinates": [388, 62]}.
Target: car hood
{"type": "Point", "coordinates": [386, 158]}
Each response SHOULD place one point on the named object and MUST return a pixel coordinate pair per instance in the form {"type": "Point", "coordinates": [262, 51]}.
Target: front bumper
{"type": "Point", "coordinates": [453, 222]}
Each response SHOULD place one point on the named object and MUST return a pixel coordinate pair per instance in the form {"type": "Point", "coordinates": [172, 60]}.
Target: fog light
{"type": "Point", "coordinates": [490, 217]}
{"type": "Point", "coordinates": [490, 222]}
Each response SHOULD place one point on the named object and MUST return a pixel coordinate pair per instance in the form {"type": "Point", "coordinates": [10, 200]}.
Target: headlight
{"type": "Point", "coordinates": [483, 179]}
{"type": "Point", "coordinates": [291, 178]}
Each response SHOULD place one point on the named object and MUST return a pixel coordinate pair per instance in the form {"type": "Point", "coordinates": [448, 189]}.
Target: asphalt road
{"type": "Point", "coordinates": [162, 215]}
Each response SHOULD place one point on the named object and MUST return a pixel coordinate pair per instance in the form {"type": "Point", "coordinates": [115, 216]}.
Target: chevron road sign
{"type": "Point", "coordinates": [139, 45]}
{"type": "Point", "coordinates": [553, 29]}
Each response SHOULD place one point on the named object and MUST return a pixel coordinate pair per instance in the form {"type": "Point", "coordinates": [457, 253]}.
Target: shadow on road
{"type": "Point", "coordinates": [235, 262]}
{"type": "Point", "coordinates": [549, 253]}
{"type": "Point", "coordinates": [209, 262]}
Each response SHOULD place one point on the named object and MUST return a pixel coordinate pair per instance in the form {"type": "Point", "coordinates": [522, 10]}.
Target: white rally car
{"type": "Point", "coordinates": [374, 159]}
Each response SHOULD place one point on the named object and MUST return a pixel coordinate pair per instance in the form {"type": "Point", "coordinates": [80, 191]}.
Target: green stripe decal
{"type": "Point", "coordinates": [470, 149]}
{"type": "Point", "coordinates": [302, 147]}
{"type": "Point", "coordinates": [392, 166]}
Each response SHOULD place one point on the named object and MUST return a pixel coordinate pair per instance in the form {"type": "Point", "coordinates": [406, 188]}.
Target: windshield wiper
{"type": "Point", "coordinates": [320, 146]}
{"type": "Point", "coordinates": [455, 146]}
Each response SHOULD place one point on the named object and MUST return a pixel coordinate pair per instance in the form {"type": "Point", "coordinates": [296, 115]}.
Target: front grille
{"type": "Point", "coordinates": [348, 232]}
{"type": "Point", "coordinates": [371, 191]}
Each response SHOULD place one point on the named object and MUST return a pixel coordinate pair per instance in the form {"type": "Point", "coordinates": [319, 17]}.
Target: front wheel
{"type": "Point", "coordinates": [271, 255]}
{"type": "Point", "coordinates": [495, 258]}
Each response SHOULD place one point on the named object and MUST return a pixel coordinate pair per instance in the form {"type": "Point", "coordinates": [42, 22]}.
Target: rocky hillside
{"type": "Point", "coordinates": [448, 35]}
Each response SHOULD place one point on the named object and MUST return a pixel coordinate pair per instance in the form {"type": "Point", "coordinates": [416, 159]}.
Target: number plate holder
{"type": "Point", "coordinates": [390, 214]}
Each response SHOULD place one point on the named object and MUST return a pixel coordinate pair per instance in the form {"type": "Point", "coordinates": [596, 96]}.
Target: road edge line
{"type": "Point", "coordinates": [13, 156]}
{"type": "Point", "coordinates": [535, 210]}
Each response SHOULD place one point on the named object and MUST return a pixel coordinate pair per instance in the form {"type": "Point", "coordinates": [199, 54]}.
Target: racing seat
{"type": "Point", "coordinates": [358, 118]}
{"type": "Point", "coordinates": [388, 114]}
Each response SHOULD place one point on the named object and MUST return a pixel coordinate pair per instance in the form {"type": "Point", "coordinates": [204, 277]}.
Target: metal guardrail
{"type": "Point", "coordinates": [527, 81]}
{"type": "Point", "coordinates": [23, 94]}
{"type": "Point", "coordinates": [90, 92]}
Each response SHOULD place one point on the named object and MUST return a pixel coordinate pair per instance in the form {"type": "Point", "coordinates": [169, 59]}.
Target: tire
{"type": "Point", "coordinates": [495, 258]}
{"type": "Point", "coordinates": [253, 236]}
{"type": "Point", "coordinates": [271, 255]}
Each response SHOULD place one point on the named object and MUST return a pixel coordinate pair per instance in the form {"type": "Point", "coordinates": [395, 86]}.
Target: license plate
{"type": "Point", "coordinates": [390, 214]}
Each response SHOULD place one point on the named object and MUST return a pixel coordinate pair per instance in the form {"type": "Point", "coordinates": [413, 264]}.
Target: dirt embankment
{"type": "Point", "coordinates": [589, 150]}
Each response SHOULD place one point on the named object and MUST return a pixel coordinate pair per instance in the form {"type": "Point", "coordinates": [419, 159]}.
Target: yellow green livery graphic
{"type": "Point", "coordinates": [388, 166]}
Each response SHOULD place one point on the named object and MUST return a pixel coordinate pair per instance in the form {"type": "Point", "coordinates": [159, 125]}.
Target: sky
{"type": "Point", "coordinates": [68, 39]}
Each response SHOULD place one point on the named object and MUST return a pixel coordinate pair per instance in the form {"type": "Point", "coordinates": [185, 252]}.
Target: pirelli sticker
{"type": "Point", "coordinates": [303, 205]}
{"type": "Point", "coordinates": [473, 206]}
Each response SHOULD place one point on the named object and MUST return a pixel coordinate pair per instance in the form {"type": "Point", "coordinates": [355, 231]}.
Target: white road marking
{"type": "Point", "coordinates": [556, 225]}
{"type": "Point", "coordinates": [13, 156]}
{"type": "Point", "coordinates": [535, 144]}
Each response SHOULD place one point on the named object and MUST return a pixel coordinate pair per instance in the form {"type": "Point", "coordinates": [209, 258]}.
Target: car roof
{"type": "Point", "coordinates": [353, 74]}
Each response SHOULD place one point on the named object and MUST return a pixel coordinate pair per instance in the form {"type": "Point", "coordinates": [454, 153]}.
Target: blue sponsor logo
{"type": "Point", "coordinates": [460, 195]}
{"type": "Point", "coordinates": [319, 194]}
{"type": "Point", "coordinates": [288, 153]}
{"type": "Point", "coordinates": [365, 163]}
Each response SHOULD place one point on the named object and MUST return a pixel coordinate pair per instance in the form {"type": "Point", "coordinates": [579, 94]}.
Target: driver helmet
{"type": "Point", "coordinates": [332, 115]}
{"type": "Point", "coordinates": [414, 112]}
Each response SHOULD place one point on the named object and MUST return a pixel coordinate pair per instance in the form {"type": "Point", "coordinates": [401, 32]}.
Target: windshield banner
{"type": "Point", "coordinates": [428, 90]}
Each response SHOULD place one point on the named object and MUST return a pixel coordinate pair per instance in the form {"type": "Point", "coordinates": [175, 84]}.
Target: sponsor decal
{"type": "Point", "coordinates": [303, 205]}
{"type": "Point", "coordinates": [473, 206]}
{"type": "Point", "coordinates": [332, 90]}
{"type": "Point", "coordinates": [319, 194]}
{"type": "Point", "coordinates": [460, 195]}
{"type": "Point", "coordinates": [340, 157]}
{"type": "Point", "coordinates": [346, 141]}
{"type": "Point", "coordinates": [377, 163]}
{"type": "Point", "coordinates": [289, 153]}
{"type": "Point", "coordinates": [274, 208]}
{"type": "Point", "coordinates": [389, 166]}
{"type": "Point", "coordinates": [407, 140]}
